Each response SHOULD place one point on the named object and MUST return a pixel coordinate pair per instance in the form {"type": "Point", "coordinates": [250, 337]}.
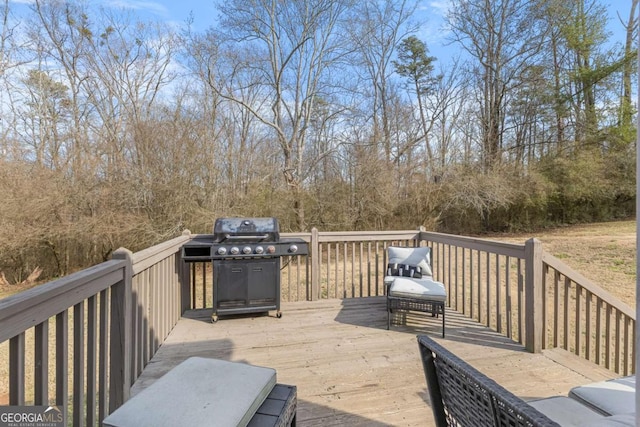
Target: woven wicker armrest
{"type": "Point", "coordinates": [462, 396]}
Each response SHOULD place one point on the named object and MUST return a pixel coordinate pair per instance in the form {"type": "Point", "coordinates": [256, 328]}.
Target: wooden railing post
{"type": "Point", "coordinates": [315, 264]}
{"type": "Point", "coordinates": [184, 278]}
{"type": "Point", "coordinates": [534, 295]}
{"type": "Point", "coordinates": [120, 338]}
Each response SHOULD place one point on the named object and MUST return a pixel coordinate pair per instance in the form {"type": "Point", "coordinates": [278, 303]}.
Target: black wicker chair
{"type": "Point", "coordinates": [462, 396]}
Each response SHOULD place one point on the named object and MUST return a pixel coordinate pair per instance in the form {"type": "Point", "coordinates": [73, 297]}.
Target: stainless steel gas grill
{"type": "Point", "coordinates": [245, 253]}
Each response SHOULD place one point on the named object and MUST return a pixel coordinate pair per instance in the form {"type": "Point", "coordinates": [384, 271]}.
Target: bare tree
{"type": "Point", "coordinates": [45, 115]}
{"type": "Point", "coordinates": [285, 49]}
{"type": "Point", "coordinates": [447, 102]}
{"type": "Point", "coordinates": [5, 37]}
{"type": "Point", "coordinates": [502, 36]}
{"type": "Point", "coordinates": [128, 66]}
{"type": "Point", "coordinates": [376, 29]}
{"type": "Point", "coordinates": [10, 45]}
{"type": "Point", "coordinates": [240, 151]}
{"type": "Point", "coordinates": [13, 54]}
{"type": "Point", "coordinates": [60, 33]}
{"type": "Point", "coordinates": [626, 109]}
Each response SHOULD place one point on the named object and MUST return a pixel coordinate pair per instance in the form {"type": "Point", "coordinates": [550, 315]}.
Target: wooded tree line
{"type": "Point", "coordinates": [323, 113]}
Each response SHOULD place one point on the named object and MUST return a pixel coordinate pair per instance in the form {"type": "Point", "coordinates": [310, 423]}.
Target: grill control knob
{"type": "Point", "coordinates": [247, 250]}
{"type": "Point", "coordinates": [293, 248]}
{"type": "Point", "coordinates": [222, 251]}
{"type": "Point", "coordinates": [259, 249]}
{"type": "Point", "coordinates": [271, 249]}
{"type": "Point", "coordinates": [234, 250]}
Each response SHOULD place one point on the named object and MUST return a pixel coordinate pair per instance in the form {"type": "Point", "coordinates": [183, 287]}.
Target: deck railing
{"type": "Point", "coordinates": [340, 265]}
{"type": "Point", "coordinates": [534, 298]}
{"type": "Point", "coordinates": [511, 288]}
{"type": "Point", "coordinates": [80, 341]}
{"type": "Point", "coordinates": [72, 332]}
{"type": "Point", "coordinates": [491, 282]}
{"type": "Point", "coordinates": [586, 320]}
{"type": "Point", "coordinates": [157, 298]}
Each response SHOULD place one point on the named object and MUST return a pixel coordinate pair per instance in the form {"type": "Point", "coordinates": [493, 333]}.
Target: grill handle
{"type": "Point", "coordinates": [242, 237]}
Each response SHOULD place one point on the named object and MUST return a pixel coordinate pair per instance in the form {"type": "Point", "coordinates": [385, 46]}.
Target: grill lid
{"type": "Point", "coordinates": [246, 229]}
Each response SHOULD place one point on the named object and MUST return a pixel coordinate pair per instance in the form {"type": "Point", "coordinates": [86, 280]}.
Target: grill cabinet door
{"type": "Point", "coordinates": [230, 283]}
{"type": "Point", "coordinates": [247, 284]}
{"type": "Point", "coordinates": [264, 282]}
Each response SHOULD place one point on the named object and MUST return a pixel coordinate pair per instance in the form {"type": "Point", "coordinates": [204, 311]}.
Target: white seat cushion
{"type": "Point", "coordinates": [425, 288]}
{"type": "Point", "coordinates": [198, 392]}
{"type": "Point", "coordinates": [613, 397]}
{"type": "Point", "coordinates": [566, 412]}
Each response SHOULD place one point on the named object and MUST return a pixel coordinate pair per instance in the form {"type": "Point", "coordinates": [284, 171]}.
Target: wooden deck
{"type": "Point", "coordinates": [350, 370]}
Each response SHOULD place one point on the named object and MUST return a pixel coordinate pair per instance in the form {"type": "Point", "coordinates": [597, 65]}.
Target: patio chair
{"type": "Point", "coordinates": [462, 396]}
{"type": "Point", "coordinates": [409, 283]}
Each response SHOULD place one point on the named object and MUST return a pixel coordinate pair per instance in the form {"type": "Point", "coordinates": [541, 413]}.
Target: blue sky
{"type": "Point", "coordinates": [176, 12]}
{"type": "Point", "coordinates": [432, 31]}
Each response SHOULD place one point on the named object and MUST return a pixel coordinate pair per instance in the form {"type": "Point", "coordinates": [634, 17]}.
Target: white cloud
{"type": "Point", "coordinates": [148, 6]}
{"type": "Point", "coordinates": [440, 7]}
{"type": "Point", "coordinates": [434, 30]}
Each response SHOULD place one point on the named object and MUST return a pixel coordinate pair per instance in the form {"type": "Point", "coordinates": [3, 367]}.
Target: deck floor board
{"type": "Point", "coordinates": [349, 370]}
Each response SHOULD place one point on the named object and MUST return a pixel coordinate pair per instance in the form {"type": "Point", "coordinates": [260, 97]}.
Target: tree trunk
{"type": "Point", "coordinates": [626, 107]}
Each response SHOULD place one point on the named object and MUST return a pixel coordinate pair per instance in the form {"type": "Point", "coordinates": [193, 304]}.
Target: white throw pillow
{"type": "Point", "coordinates": [417, 257]}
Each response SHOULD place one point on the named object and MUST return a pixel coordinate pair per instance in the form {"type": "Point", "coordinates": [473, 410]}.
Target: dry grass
{"type": "Point", "coordinates": [604, 253]}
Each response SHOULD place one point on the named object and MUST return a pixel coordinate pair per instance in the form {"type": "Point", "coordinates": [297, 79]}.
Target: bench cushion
{"type": "Point", "coordinates": [199, 391]}
{"type": "Point", "coordinates": [625, 420]}
{"type": "Point", "coordinates": [425, 288]}
{"type": "Point", "coordinates": [611, 397]}
{"type": "Point", "coordinates": [566, 412]}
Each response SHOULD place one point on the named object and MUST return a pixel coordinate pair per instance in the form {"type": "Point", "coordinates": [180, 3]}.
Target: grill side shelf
{"type": "Point", "coordinates": [195, 252]}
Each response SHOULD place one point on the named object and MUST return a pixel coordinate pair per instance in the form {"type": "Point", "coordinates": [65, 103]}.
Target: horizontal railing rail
{"type": "Point", "coordinates": [586, 320]}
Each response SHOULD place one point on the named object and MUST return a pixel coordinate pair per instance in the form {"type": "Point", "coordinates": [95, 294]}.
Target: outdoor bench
{"type": "Point", "coordinates": [201, 391]}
